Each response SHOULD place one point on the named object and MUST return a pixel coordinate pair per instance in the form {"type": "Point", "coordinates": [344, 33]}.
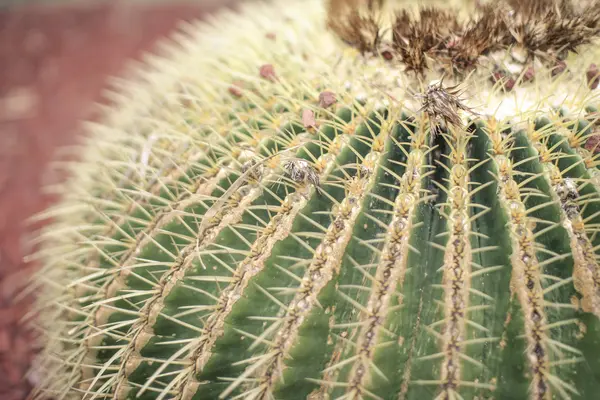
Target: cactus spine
{"type": "Point", "coordinates": [280, 214]}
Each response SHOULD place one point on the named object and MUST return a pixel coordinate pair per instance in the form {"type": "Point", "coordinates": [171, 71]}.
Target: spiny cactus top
{"type": "Point", "coordinates": [350, 200]}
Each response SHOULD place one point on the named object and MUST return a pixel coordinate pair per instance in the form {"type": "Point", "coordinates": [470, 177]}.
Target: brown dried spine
{"type": "Point", "coordinates": [547, 29]}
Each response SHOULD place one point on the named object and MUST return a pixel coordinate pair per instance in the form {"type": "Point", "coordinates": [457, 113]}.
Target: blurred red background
{"type": "Point", "coordinates": [54, 61]}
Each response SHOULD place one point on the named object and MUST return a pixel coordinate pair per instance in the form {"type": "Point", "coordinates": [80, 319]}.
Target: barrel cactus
{"type": "Point", "coordinates": [348, 199]}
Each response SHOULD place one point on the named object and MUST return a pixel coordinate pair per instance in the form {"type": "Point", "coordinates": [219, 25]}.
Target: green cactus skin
{"type": "Point", "coordinates": [261, 216]}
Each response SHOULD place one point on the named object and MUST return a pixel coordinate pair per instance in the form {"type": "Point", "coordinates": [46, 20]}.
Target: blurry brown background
{"type": "Point", "coordinates": [54, 59]}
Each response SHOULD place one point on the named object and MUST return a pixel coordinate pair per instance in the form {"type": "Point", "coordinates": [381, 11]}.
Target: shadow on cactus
{"type": "Point", "coordinates": [343, 200]}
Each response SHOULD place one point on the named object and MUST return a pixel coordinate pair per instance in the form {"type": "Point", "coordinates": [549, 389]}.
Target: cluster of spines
{"type": "Point", "coordinates": [390, 270]}
{"type": "Point", "coordinates": [108, 204]}
{"type": "Point", "coordinates": [543, 352]}
{"type": "Point", "coordinates": [130, 354]}
{"type": "Point", "coordinates": [229, 212]}
{"type": "Point", "coordinates": [324, 266]}
{"type": "Point", "coordinates": [566, 193]}
{"type": "Point", "coordinates": [457, 265]}
{"type": "Point", "coordinates": [221, 212]}
{"type": "Point", "coordinates": [459, 331]}
{"type": "Point", "coordinates": [103, 308]}
{"type": "Point", "coordinates": [277, 228]}
{"type": "Point", "coordinates": [541, 28]}
{"type": "Point", "coordinates": [97, 330]}
{"type": "Point", "coordinates": [385, 281]}
{"type": "Point", "coordinates": [526, 273]}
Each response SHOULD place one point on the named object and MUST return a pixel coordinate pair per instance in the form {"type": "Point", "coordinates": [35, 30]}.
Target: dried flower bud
{"type": "Point", "coordinates": [301, 171]}
{"type": "Point", "coordinates": [387, 54]}
{"type": "Point", "coordinates": [326, 99]}
{"type": "Point", "coordinates": [442, 104]}
{"type": "Point", "coordinates": [503, 78]}
{"type": "Point", "coordinates": [593, 144]}
{"type": "Point", "coordinates": [529, 74]}
{"type": "Point", "coordinates": [236, 89]}
{"type": "Point", "coordinates": [267, 71]}
{"type": "Point", "coordinates": [308, 119]}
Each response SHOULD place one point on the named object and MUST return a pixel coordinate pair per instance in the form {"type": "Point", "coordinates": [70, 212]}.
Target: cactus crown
{"type": "Point", "coordinates": [363, 200]}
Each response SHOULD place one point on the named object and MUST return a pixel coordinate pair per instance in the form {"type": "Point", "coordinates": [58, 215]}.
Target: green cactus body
{"type": "Point", "coordinates": [271, 214]}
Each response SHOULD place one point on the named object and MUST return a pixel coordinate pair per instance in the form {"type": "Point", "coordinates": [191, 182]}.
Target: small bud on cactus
{"type": "Point", "coordinates": [355, 210]}
{"type": "Point", "coordinates": [236, 89]}
{"type": "Point", "coordinates": [326, 99]}
{"type": "Point", "coordinates": [503, 78]}
{"type": "Point", "coordinates": [593, 143]}
{"type": "Point", "coordinates": [529, 74]}
{"type": "Point", "coordinates": [267, 71]}
{"type": "Point", "coordinates": [308, 119]}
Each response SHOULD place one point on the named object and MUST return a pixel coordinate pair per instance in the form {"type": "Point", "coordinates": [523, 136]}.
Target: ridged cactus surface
{"type": "Point", "coordinates": [351, 200]}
